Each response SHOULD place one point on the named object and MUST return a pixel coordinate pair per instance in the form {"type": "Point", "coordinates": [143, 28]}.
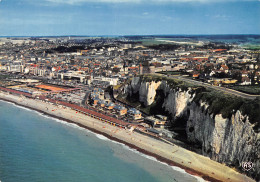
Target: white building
{"type": "Point", "coordinates": [110, 81]}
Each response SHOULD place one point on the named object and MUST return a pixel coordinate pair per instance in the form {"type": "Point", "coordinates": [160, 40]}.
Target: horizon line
{"type": "Point", "coordinates": [121, 35]}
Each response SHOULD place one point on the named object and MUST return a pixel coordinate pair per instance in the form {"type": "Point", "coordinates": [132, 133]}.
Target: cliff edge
{"type": "Point", "coordinates": [224, 126]}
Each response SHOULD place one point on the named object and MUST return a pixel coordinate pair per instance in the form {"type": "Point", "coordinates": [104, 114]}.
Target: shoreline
{"type": "Point", "coordinates": [158, 157]}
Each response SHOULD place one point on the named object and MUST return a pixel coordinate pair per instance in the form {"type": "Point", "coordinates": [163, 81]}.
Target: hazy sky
{"type": "Point", "coordinates": [128, 17]}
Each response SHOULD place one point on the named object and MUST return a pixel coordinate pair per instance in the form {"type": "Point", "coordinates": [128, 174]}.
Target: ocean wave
{"type": "Point", "coordinates": [47, 116]}
{"type": "Point", "coordinates": [24, 108]}
{"type": "Point", "coordinates": [73, 125]}
{"type": "Point", "coordinates": [19, 106]}
{"type": "Point", "coordinates": [178, 169]}
{"type": "Point", "coordinates": [175, 168]}
{"type": "Point", "coordinates": [102, 137]}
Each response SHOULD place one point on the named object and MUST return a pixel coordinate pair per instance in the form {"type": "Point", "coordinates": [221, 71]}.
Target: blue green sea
{"type": "Point", "coordinates": [38, 148]}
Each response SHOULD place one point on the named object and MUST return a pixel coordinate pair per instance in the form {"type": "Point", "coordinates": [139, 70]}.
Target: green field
{"type": "Point", "coordinates": [170, 72]}
{"type": "Point", "coordinates": [255, 90]}
{"type": "Point", "coordinates": [153, 41]}
{"type": "Point", "coordinates": [251, 46]}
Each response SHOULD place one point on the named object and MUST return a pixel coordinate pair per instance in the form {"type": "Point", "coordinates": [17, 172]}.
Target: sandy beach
{"type": "Point", "coordinates": [174, 155]}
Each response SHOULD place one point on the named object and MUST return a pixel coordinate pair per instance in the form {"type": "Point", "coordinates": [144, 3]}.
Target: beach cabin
{"type": "Point", "coordinates": [120, 110]}
{"type": "Point", "coordinates": [155, 122]}
{"type": "Point", "coordinates": [134, 114]}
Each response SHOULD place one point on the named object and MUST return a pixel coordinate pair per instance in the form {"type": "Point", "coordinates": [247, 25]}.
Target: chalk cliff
{"type": "Point", "coordinates": [231, 140]}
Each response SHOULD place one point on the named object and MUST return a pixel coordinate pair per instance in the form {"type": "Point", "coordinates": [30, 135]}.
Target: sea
{"type": "Point", "coordinates": [37, 148]}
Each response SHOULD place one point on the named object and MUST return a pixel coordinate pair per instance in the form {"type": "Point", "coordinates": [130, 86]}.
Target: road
{"type": "Point", "coordinates": [223, 89]}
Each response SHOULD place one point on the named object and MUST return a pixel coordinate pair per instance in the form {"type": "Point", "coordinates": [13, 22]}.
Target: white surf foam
{"type": "Point", "coordinates": [175, 168]}
{"type": "Point", "coordinates": [73, 125]}
{"type": "Point", "coordinates": [102, 137]}
{"type": "Point", "coordinates": [24, 108]}
{"type": "Point", "coordinates": [21, 107]}
{"type": "Point", "coordinates": [48, 117]}
{"type": "Point", "coordinates": [179, 169]}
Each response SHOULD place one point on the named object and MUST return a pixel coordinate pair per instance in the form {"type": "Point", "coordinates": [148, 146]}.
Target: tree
{"type": "Point", "coordinates": [207, 69]}
{"type": "Point", "coordinates": [238, 76]}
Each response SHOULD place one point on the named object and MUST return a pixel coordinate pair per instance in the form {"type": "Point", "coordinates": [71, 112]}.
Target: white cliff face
{"type": "Point", "coordinates": [232, 141]}
{"type": "Point", "coordinates": [176, 102]}
{"type": "Point", "coordinates": [147, 92]}
{"type": "Point", "coordinates": [135, 84]}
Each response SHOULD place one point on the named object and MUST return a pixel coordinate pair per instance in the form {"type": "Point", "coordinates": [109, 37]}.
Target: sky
{"type": "Point", "coordinates": [128, 17]}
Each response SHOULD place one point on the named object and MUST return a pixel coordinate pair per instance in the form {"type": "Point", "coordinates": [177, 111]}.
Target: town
{"type": "Point", "coordinates": [186, 94]}
{"type": "Point", "coordinates": [83, 71]}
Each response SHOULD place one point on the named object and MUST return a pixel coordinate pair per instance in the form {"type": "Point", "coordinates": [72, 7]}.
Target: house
{"type": "Point", "coordinates": [134, 114]}
{"type": "Point", "coordinates": [245, 81]}
{"type": "Point", "coordinates": [93, 95]}
{"type": "Point", "coordinates": [110, 105]}
{"type": "Point", "coordinates": [155, 122]}
{"type": "Point", "coordinates": [120, 110]}
{"type": "Point", "coordinates": [212, 73]}
{"type": "Point", "coordinates": [224, 68]}
{"type": "Point", "coordinates": [257, 76]}
{"type": "Point", "coordinates": [195, 75]}
{"type": "Point", "coordinates": [244, 73]}
{"type": "Point", "coordinates": [95, 101]}
{"type": "Point", "coordinates": [102, 103]}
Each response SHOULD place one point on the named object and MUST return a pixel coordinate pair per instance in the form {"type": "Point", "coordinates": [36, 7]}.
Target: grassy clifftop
{"type": "Point", "coordinates": [219, 102]}
{"type": "Point", "coordinates": [225, 104]}
{"type": "Point", "coordinates": [173, 82]}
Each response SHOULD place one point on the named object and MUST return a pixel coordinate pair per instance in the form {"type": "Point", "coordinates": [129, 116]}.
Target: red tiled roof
{"type": "Point", "coordinates": [219, 50]}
